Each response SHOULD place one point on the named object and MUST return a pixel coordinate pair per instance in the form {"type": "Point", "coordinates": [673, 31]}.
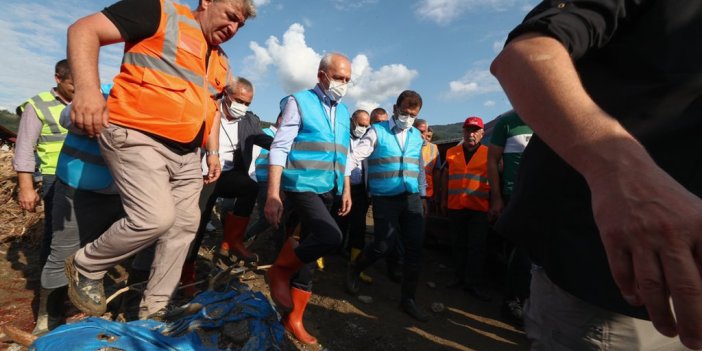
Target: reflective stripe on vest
{"type": "Point", "coordinates": [48, 109]}
{"type": "Point", "coordinates": [80, 164]}
{"type": "Point", "coordinates": [391, 170]}
{"type": "Point", "coordinates": [468, 186]}
{"type": "Point", "coordinates": [262, 161]}
{"type": "Point", "coordinates": [430, 153]}
{"type": "Point", "coordinates": [317, 158]}
{"type": "Point", "coordinates": [164, 86]}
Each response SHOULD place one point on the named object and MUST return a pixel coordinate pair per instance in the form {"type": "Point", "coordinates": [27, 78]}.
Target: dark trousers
{"type": "Point", "coordinates": [231, 184]}
{"type": "Point", "coordinates": [355, 222]}
{"type": "Point", "coordinates": [398, 217]}
{"type": "Point", "coordinates": [469, 242]}
{"type": "Point", "coordinates": [79, 217]}
{"type": "Point", "coordinates": [47, 195]}
{"type": "Point", "coordinates": [319, 233]}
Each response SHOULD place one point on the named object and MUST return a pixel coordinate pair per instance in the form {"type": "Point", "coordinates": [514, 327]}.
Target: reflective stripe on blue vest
{"type": "Point", "coordinates": [317, 158]}
{"type": "Point", "coordinates": [392, 171]}
{"type": "Point", "coordinates": [262, 161]}
{"type": "Point", "coordinates": [80, 164]}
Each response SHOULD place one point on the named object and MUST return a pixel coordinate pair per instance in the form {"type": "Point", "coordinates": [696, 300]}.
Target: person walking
{"type": "Point", "coordinates": [158, 115]}
{"type": "Point", "coordinates": [397, 184]}
{"type": "Point", "coordinates": [307, 161]}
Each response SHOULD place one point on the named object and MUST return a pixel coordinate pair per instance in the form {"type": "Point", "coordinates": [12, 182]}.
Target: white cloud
{"type": "Point", "coordinates": [261, 2]}
{"type": "Point", "coordinates": [33, 42]}
{"type": "Point", "coordinates": [444, 12]}
{"type": "Point", "coordinates": [372, 87]}
{"type": "Point", "coordinates": [296, 68]}
{"type": "Point", "coordinates": [489, 103]}
{"type": "Point", "coordinates": [474, 82]}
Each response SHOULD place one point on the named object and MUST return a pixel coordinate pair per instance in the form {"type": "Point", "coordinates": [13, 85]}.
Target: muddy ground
{"type": "Point", "coordinates": [338, 320]}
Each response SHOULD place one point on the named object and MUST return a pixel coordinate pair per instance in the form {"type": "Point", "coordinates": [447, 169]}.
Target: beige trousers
{"type": "Point", "coordinates": [557, 320]}
{"type": "Point", "coordinates": [160, 191]}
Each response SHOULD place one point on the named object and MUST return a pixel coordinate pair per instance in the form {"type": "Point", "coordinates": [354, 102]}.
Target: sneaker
{"type": "Point", "coordinates": [88, 295]}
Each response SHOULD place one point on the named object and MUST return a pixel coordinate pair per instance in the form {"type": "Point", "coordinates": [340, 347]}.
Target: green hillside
{"type": "Point", "coordinates": [447, 131]}
{"type": "Point", "coordinates": [9, 120]}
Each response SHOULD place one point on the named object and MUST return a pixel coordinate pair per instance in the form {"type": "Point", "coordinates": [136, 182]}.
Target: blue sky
{"type": "Point", "coordinates": [440, 48]}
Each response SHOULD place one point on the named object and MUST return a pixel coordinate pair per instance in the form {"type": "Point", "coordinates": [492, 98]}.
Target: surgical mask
{"type": "Point", "coordinates": [237, 109]}
{"type": "Point", "coordinates": [404, 121]}
{"type": "Point", "coordinates": [336, 90]}
{"type": "Point", "coordinates": [359, 131]}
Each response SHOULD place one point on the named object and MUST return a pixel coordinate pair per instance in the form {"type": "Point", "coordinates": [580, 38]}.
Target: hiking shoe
{"type": "Point", "coordinates": [410, 307]}
{"type": "Point", "coordinates": [512, 311]}
{"type": "Point", "coordinates": [88, 295]}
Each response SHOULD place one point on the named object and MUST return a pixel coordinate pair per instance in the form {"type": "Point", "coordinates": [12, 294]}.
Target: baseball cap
{"type": "Point", "coordinates": [473, 121]}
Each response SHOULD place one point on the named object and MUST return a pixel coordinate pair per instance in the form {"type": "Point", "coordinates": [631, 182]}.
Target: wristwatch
{"type": "Point", "coordinates": [212, 152]}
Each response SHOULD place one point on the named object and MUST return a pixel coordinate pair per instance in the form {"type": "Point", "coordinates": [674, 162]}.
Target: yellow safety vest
{"type": "Point", "coordinates": [48, 108]}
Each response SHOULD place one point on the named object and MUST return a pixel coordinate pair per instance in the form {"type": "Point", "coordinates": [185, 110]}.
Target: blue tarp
{"type": "Point", "coordinates": [216, 325]}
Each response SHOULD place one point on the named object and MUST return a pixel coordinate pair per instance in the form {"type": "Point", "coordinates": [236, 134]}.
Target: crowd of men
{"type": "Point", "coordinates": [602, 215]}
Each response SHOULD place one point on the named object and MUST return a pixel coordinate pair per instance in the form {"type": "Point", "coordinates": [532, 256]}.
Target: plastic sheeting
{"type": "Point", "coordinates": [230, 320]}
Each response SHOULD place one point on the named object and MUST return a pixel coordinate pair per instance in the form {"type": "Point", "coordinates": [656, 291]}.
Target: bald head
{"type": "Point", "coordinates": [334, 67]}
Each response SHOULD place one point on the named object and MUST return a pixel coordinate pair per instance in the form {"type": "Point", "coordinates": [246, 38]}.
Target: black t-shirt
{"type": "Point", "coordinates": [641, 62]}
{"type": "Point", "coordinates": [137, 20]}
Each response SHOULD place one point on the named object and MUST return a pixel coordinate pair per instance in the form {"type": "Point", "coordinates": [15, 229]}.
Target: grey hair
{"type": "Point", "coordinates": [326, 60]}
{"type": "Point", "coordinates": [231, 88]}
{"type": "Point", "coordinates": [249, 6]}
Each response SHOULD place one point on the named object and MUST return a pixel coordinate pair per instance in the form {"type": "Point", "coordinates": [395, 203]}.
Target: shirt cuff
{"type": "Point", "coordinates": [277, 159]}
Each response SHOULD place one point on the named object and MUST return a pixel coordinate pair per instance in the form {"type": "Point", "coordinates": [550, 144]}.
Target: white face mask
{"type": "Point", "coordinates": [359, 131]}
{"type": "Point", "coordinates": [404, 121]}
{"type": "Point", "coordinates": [336, 90]}
{"type": "Point", "coordinates": [237, 110]}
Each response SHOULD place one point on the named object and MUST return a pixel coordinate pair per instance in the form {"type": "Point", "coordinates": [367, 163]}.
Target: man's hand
{"type": "Point", "coordinates": [89, 111]}
{"type": "Point", "coordinates": [345, 203]}
{"type": "Point", "coordinates": [273, 210]}
{"type": "Point", "coordinates": [652, 230]}
{"type": "Point", "coordinates": [496, 207]}
{"type": "Point", "coordinates": [28, 198]}
{"type": "Point", "coordinates": [214, 169]}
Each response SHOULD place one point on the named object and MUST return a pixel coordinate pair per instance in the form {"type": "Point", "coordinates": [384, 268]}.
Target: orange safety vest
{"type": "Point", "coordinates": [164, 87]}
{"type": "Point", "coordinates": [430, 153]}
{"type": "Point", "coordinates": [468, 186]}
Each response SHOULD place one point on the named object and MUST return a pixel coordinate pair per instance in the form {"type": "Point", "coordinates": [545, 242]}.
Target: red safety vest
{"type": "Point", "coordinates": [164, 87]}
{"type": "Point", "coordinates": [468, 186]}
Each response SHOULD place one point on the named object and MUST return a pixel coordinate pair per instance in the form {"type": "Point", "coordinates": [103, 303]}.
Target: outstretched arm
{"type": "Point", "coordinates": [85, 37]}
{"type": "Point", "coordinates": [650, 225]}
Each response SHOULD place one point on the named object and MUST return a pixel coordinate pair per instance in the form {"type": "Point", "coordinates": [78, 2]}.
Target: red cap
{"type": "Point", "coordinates": [473, 121]}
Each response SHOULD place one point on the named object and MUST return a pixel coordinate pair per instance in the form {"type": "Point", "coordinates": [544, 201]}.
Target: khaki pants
{"type": "Point", "coordinates": [557, 320]}
{"type": "Point", "coordinates": [160, 191]}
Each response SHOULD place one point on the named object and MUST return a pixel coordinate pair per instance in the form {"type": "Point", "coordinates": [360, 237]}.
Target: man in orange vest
{"type": "Point", "coordinates": [158, 115]}
{"type": "Point", "coordinates": [466, 193]}
{"type": "Point", "coordinates": [430, 155]}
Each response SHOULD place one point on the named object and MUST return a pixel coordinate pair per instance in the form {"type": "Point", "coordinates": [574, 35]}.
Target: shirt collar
{"type": "Point", "coordinates": [322, 96]}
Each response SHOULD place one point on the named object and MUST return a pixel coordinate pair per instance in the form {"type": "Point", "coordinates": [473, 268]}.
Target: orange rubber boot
{"type": "Point", "coordinates": [233, 237]}
{"type": "Point", "coordinates": [293, 321]}
{"type": "Point", "coordinates": [279, 275]}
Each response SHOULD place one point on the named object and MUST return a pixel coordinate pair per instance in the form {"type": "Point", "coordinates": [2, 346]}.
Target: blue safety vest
{"type": "Point", "coordinates": [317, 159]}
{"type": "Point", "coordinates": [262, 161]}
{"type": "Point", "coordinates": [392, 171]}
{"type": "Point", "coordinates": [80, 164]}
